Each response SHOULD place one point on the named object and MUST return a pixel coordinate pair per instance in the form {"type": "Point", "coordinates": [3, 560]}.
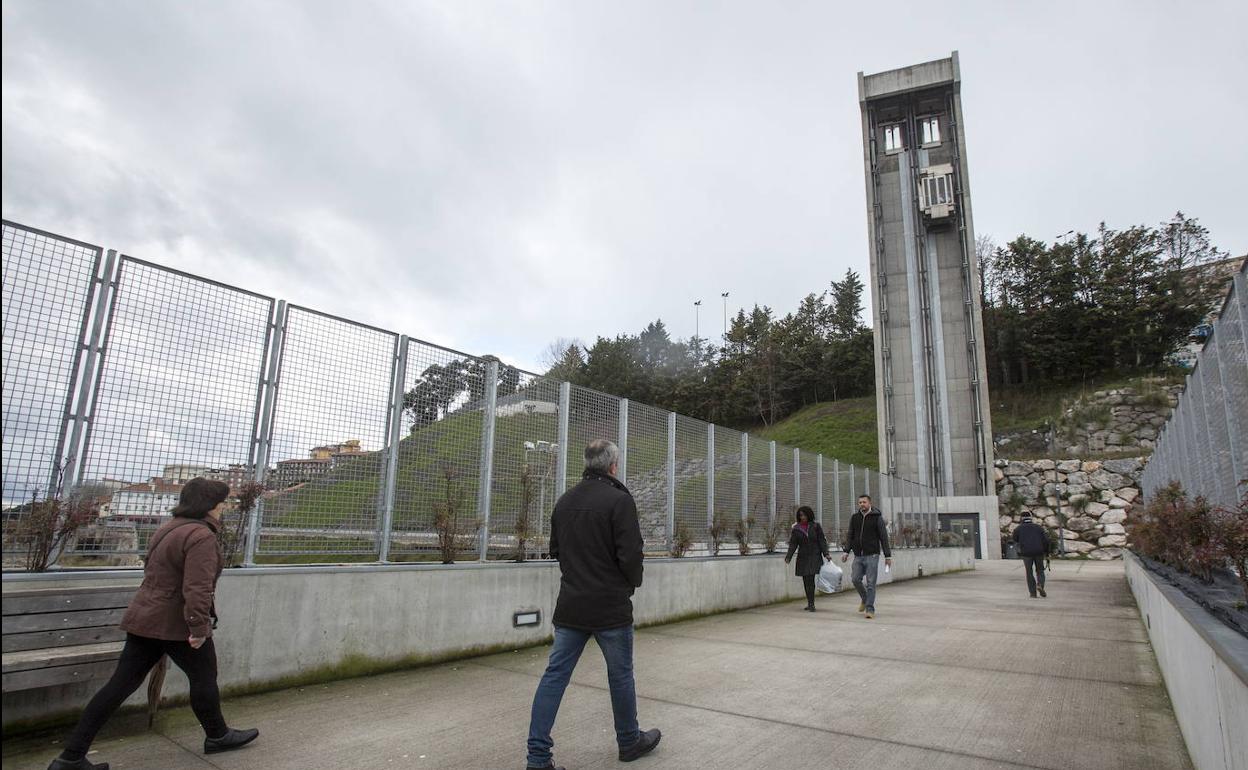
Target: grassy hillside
{"type": "Point", "coordinates": [846, 429]}
{"type": "Point", "coordinates": [842, 429]}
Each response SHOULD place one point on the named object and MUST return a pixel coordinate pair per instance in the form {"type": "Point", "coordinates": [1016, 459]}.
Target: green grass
{"type": "Point", "coordinates": [843, 429]}
{"type": "Point", "coordinates": [846, 430]}
{"type": "Point", "coordinates": [1033, 407]}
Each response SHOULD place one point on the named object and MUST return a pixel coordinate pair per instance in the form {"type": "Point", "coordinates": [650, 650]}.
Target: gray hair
{"type": "Point", "coordinates": [601, 455]}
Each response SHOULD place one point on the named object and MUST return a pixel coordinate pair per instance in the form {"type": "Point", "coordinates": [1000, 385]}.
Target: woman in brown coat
{"type": "Point", "coordinates": [172, 614]}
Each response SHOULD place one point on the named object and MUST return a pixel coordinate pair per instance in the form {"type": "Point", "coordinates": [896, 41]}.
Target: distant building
{"type": "Point", "coordinates": [146, 503]}
{"type": "Point", "coordinates": [180, 474]}
{"type": "Point", "coordinates": [320, 461]}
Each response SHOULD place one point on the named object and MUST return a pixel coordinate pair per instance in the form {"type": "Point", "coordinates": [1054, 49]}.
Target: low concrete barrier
{"type": "Point", "coordinates": [282, 626]}
{"type": "Point", "coordinates": [1205, 666]}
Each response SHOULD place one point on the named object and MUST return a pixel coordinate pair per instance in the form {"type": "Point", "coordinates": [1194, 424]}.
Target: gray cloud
{"type": "Point", "coordinates": [493, 176]}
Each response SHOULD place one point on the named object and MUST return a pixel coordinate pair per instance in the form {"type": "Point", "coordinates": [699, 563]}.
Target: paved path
{"type": "Point", "coordinates": [959, 671]}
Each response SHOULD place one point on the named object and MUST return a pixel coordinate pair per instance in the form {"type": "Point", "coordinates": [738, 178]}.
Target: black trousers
{"type": "Point", "coordinates": [808, 582]}
{"type": "Point", "coordinates": [1034, 567]}
{"type": "Point", "coordinates": [138, 657]}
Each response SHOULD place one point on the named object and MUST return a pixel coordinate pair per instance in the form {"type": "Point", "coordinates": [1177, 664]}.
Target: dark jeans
{"type": "Point", "coordinates": [1035, 563]}
{"type": "Point", "coordinates": [617, 648]}
{"type": "Point", "coordinates": [137, 658]}
{"type": "Point", "coordinates": [808, 582]}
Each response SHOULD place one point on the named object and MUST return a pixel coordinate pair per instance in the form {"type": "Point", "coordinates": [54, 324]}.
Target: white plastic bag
{"type": "Point", "coordinates": [829, 579]}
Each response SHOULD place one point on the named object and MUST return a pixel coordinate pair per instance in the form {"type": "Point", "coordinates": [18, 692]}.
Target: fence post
{"type": "Point", "coordinates": [745, 477]}
{"type": "Point", "coordinates": [622, 471]}
{"type": "Point", "coordinates": [83, 377]}
{"type": "Point", "coordinates": [853, 499]}
{"type": "Point", "coordinates": [671, 480]}
{"type": "Point", "coordinates": [771, 521]}
{"type": "Point", "coordinates": [710, 477]}
{"type": "Point", "coordinates": [819, 488]}
{"type": "Point", "coordinates": [273, 371]}
{"type": "Point", "coordinates": [395, 435]}
{"type": "Point", "coordinates": [93, 366]}
{"type": "Point", "coordinates": [487, 457]}
{"type": "Point", "coordinates": [836, 497]}
{"type": "Point", "coordinates": [797, 477]}
{"type": "Point", "coordinates": [561, 456]}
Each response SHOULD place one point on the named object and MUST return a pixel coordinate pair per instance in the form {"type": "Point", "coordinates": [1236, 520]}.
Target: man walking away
{"type": "Point", "coordinates": [595, 535]}
{"type": "Point", "coordinates": [1033, 545]}
{"type": "Point", "coordinates": [868, 535]}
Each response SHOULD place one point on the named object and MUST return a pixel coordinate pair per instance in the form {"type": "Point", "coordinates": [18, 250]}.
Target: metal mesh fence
{"type": "Point", "coordinates": [1203, 445]}
{"type": "Point", "coordinates": [691, 509]}
{"type": "Point", "coordinates": [437, 475]}
{"type": "Point", "coordinates": [368, 445]}
{"type": "Point", "coordinates": [182, 365]}
{"type": "Point", "coordinates": [526, 442]}
{"type": "Point", "coordinates": [759, 492]}
{"type": "Point", "coordinates": [727, 452]}
{"type": "Point", "coordinates": [647, 472]}
{"type": "Point", "coordinates": [48, 289]}
{"type": "Point", "coordinates": [329, 428]}
{"type": "Point", "coordinates": [591, 415]}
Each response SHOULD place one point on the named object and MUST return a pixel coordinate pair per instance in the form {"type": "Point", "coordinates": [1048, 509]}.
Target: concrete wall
{"type": "Point", "coordinates": [285, 624]}
{"type": "Point", "coordinates": [1205, 666]}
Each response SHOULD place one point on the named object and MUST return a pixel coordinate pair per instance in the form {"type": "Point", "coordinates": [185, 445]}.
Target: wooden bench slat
{"type": "Point", "coordinates": [50, 677]}
{"type": "Point", "coordinates": [34, 602]}
{"type": "Point", "coordinates": [62, 656]}
{"type": "Point", "coordinates": [39, 640]}
{"type": "Point", "coordinates": [53, 621]}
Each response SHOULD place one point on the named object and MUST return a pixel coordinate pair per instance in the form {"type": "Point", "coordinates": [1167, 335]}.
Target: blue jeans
{"type": "Point", "coordinates": [617, 648]}
{"type": "Point", "coordinates": [866, 570]}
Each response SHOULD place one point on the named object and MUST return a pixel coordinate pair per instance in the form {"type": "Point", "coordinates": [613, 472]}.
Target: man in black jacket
{"type": "Point", "coordinates": [1033, 545]}
{"type": "Point", "coordinates": [868, 535]}
{"type": "Point", "coordinates": [595, 535]}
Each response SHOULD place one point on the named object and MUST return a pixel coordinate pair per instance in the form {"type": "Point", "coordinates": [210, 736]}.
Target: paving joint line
{"type": "Point", "coordinates": [187, 751]}
{"type": "Point", "coordinates": [902, 660]}
{"type": "Point", "coordinates": [1027, 634]}
{"type": "Point", "coordinates": [814, 728]}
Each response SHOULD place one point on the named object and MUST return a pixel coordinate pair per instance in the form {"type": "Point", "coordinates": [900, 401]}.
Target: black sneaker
{"type": "Point", "coordinates": [644, 745]}
{"type": "Point", "coordinates": [545, 767]}
{"type": "Point", "coordinates": [81, 764]}
{"type": "Point", "coordinates": [1041, 590]}
{"type": "Point", "coordinates": [234, 739]}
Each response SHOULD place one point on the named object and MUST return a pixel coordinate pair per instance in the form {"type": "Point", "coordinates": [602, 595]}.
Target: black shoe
{"type": "Point", "coordinates": [1034, 596]}
{"type": "Point", "coordinates": [82, 764]}
{"type": "Point", "coordinates": [234, 739]}
{"type": "Point", "coordinates": [644, 745]}
{"type": "Point", "coordinates": [545, 767]}
{"type": "Point", "coordinates": [1041, 590]}
{"type": "Point", "coordinates": [811, 608]}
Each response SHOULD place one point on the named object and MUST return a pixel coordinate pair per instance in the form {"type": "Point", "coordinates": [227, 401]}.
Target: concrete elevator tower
{"type": "Point", "coordinates": [931, 387]}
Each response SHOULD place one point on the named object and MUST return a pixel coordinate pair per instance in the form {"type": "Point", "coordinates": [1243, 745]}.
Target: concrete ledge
{"type": "Point", "coordinates": [283, 626]}
{"type": "Point", "coordinates": [1205, 667]}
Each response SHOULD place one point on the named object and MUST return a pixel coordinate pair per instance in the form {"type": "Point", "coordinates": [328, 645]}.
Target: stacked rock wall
{"type": "Point", "coordinates": [1081, 503]}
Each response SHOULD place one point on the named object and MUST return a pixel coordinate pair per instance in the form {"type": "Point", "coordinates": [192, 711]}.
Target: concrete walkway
{"type": "Point", "coordinates": [959, 671]}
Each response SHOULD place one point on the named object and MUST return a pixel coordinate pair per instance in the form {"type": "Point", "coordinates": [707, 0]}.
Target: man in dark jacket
{"type": "Point", "coordinates": [1033, 545]}
{"type": "Point", "coordinates": [868, 535]}
{"type": "Point", "coordinates": [595, 535]}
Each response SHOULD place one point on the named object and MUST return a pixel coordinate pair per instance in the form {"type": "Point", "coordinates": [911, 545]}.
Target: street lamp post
{"type": "Point", "coordinates": [725, 296]}
{"type": "Point", "coordinates": [697, 310]}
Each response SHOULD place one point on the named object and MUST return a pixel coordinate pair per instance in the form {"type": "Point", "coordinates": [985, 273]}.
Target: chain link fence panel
{"type": "Point", "coordinates": [330, 426]}
{"type": "Point", "coordinates": [370, 446]}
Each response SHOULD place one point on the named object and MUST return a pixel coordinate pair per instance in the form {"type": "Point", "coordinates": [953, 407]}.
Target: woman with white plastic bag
{"type": "Point", "coordinates": [808, 541]}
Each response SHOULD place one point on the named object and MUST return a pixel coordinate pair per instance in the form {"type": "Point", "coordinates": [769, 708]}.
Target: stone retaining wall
{"type": "Point", "coordinates": [1082, 503]}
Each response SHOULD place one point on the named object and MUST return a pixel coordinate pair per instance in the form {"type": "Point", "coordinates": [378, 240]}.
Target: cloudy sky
{"type": "Point", "coordinates": [491, 176]}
